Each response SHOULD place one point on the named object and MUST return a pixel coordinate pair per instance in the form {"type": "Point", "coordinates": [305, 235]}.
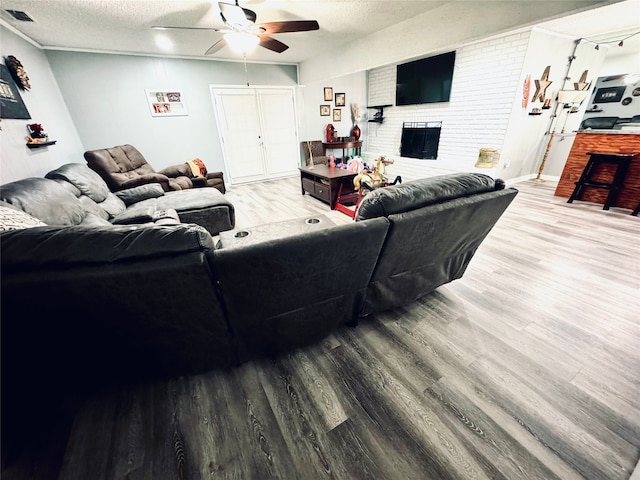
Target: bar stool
{"type": "Point", "coordinates": [621, 162]}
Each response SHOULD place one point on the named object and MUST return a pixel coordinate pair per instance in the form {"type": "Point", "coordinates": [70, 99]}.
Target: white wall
{"type": "Point", "coordinates": [610, 61]}
{"type": "Point", "coordinates": [314, 126]}
{"type": "Point", "coordinates": [432, 32]}
{"type": "Point", "coordinates": [486, 107]}
{"type": "Point", "coordinates": [485, 84]}
{"type": "Point", "coordinates": [46, 106]}
{"type": "Point", "coordinates": [106, 97]}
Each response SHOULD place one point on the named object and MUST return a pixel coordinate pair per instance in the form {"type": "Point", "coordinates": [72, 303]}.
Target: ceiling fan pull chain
{"type": "Point", "coordinates": [244, 58]}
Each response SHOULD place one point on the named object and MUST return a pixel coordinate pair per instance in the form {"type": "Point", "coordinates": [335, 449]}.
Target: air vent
{"type": "Point", "coordinates": [20, 16]}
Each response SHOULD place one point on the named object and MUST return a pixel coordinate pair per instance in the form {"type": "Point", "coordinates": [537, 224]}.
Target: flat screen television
{"type": "Point", "coordinates": [427, 80]}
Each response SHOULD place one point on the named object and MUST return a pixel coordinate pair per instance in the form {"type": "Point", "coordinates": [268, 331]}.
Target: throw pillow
{"type": "Point", "coordinates": [198, 168]}
{"type": "Point", "coordinates": [12, 219]}
{"type": "Point", "coordinates": [142, 192]}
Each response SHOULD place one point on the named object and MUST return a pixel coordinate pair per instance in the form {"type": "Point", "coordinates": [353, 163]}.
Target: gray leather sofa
{"type": "Point", "coordinates": [73, 194]}
{"type": "Point", "coordinates": [126, 301]}
{"type": "Point", "coordinates": [437, 224]}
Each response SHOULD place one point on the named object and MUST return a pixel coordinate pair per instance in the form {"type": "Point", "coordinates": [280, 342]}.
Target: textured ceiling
{"type": "Point", "coordinates": [123, 26]}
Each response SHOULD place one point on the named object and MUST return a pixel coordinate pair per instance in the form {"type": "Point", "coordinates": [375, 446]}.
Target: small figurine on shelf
{"type": "Point", "coordinates": [36, 134]}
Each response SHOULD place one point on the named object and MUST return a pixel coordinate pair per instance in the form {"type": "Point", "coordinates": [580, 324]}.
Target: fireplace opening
{"type": "Point", "coordinates": [420, 140]}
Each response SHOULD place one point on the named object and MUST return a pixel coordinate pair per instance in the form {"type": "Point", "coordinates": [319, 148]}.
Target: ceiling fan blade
{"type": "Point", "coordinates": [235, 15]}
{"type": "Point", "coordinates": [290, 26]}
{"type": "Point", "coordinates": [272, 44]}
{"type": "Point", "coordinates": [216, 47]}
{"type": "Point", "coordinates": [210, 29]}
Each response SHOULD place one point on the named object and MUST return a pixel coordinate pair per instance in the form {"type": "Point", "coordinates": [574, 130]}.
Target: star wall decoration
{"type": "Point", "coordinates": [582, 84]}
{"type": "Point", "coordinates": [542, 85]}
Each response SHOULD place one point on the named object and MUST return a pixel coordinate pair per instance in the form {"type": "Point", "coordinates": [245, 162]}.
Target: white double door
{"type": "Point", "coordinates": [258, 132]}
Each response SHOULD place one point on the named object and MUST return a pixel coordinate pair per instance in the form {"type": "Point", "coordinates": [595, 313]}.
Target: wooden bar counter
{"type": "Point", "coordinates": [602, 142]}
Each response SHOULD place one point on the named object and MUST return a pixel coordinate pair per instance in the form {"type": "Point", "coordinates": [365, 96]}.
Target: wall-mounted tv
{"type": "Point", "coordinates": [427, 80]}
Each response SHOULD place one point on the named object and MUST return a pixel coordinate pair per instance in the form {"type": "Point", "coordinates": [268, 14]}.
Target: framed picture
{"type": "Point", "coordinates": [166, 103]}
{"type": "Point", "coordinates": [325, 110]}
{"type": "Point", "coordinates": [340, 100]}
{"type": "Point", "coordinates": [11, 104]}
{"type": "Point", "coordinates": [609, 94]}
{"type": "Point", "coordinates": [328, 94]}
{"type": "Point", "coordinates": [337, 115]}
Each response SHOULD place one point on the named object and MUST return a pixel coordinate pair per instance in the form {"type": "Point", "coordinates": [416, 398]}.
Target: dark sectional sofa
{"type": "Point", "coordinates": [129, 302]}
{"type": "Point", "coordinates": [73, 194]}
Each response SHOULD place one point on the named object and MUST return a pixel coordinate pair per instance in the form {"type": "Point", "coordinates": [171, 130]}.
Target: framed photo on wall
{"type": "Point", "coordinates": [328, 94]}
{"type": "Point", "coordinates": [340, 100]}
{"type": "Point", "coordinates": [337, 115]}
{"type": "Point", "coordinates": [166, 103]}
{"type": "Point", "coordinates": [325, 110]}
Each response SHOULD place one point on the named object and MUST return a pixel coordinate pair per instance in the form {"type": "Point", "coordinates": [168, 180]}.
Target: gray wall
{"type": "Point", "coordinates": [47, 107]}
{"type": "Point", "coordinates": [106, 97]}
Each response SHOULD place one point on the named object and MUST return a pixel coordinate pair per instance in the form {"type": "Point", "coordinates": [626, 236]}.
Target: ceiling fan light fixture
{"type": "Point", "coordinates": [242, 42]}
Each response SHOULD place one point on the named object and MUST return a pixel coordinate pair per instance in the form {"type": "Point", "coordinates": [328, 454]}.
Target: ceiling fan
{"type": "Point", "coordinates": [242, 32]}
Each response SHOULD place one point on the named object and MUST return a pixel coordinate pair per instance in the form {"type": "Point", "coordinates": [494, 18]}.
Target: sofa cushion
{"type": "Point", "coordinates": [113, 205]}
{"type": "Point", "coordinates": [93, 208]}
{"type": "Point", "coordinates": [139, 193]}
{"type": "Point", "coordinates": [427, 191]}
{"type": "Point", "coordinates": [83, 178]}
{"type": "Point", "coordinates": [44, 199]}
{"type": "Point", "coordinates": [14, 219]}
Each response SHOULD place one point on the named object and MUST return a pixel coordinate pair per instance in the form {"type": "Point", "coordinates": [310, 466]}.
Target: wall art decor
{"type": "Point", "coordinates": [166, 103]}
{"type": "Point", "coordinates": [337, 115]}
{"type": "Point", "coordinates": [609, 94]}
{"type": "Point", "coordinates": [526, 88]}
{"type": "Point", "coordinates": [17, 72]}
{"type": "Point", "coordinates": [542, 85]}
{"type": "Point", "coordinates": [328, 94]}
{"type": "Point", "coordinates": [325, 110]}
{"type": "Point", "coordinates": [11, 104]}
{"type": "Point", "coordinates": [340, 100]}
{"type": "Point", "coordinates": [582, 84]}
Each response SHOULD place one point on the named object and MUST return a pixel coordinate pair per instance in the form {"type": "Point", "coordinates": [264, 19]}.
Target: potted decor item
{"type": "Point", "coordinates": [36, 133]}
{"type": "Point", "coordinates": [355, 115]}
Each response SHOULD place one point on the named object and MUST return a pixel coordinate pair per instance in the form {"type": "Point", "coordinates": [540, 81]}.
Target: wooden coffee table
{"type": "Point", "coordinates": [323, 182]}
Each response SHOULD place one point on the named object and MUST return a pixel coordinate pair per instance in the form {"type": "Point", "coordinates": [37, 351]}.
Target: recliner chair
{"type": "Point", "coordinates": [315, 148]}
{"type": "Point", "coordinates": [123, 167]}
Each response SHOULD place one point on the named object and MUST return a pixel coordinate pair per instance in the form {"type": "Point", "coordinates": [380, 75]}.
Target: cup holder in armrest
{"type": "Point", "coordinates": [312, 221]}
{"type": "Point", "coordinates": [241, 234]}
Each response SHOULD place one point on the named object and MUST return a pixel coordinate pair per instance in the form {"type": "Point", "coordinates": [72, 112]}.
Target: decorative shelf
{"type": "Point", "coordinates": [378, 117]}
{"type": "Point", "coordinates": [40, 145]}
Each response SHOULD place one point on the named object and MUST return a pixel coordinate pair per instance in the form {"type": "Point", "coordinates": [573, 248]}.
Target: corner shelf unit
{"type": "Point", "coordinates": [378, 117]}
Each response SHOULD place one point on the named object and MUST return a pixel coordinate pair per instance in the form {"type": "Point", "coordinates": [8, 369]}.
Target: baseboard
{"type": "Point", "coordinates": [530, 177]}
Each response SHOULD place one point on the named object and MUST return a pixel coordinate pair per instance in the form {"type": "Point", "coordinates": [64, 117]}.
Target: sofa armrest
{"type": "Point", "coordinates": [147, 214]}
{"type": "Point", "coordinates": [173, 171]}
{"type": "Point", "coordinates": [216, 180]}
{"type": "Point", "coordinates": [145, 179]}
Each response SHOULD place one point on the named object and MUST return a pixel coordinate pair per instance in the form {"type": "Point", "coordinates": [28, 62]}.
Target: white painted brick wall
{"type": "Point", "coordinates": [486, 78]}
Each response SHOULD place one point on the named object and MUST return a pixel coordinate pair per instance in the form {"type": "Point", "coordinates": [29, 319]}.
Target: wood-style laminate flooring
{"type": "Point", "coordinates": [526, 368]}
